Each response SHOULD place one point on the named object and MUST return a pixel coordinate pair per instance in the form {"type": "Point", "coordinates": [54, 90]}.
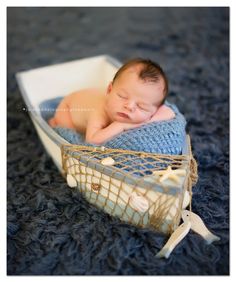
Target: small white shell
{"type": "Point", "coordinates": [71, 181]}
{"type": "Point", "coordinates": [186, 200]}
{"type": "Point", "coordinates": [138, 202]}
{"type": "Point", "coordinates": [108, 161]}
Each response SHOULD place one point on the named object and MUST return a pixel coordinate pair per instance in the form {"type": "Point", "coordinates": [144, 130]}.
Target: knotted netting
{"type": "Point", "coordinates": [144, 189]}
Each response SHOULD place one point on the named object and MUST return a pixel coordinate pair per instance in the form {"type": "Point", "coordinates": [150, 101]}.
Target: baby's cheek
{"type": "Point", "coordinates": [143, 116]}
{"type": "Point", "coordinates": [147, 114]}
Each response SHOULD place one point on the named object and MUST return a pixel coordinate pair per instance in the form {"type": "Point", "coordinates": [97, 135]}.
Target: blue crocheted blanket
{"type": "Point", "coordinates": [165, 137]}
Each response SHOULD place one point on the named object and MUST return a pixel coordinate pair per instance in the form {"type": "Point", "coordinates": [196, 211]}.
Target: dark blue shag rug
{"type": "Point", "coordinates": [51, 229]}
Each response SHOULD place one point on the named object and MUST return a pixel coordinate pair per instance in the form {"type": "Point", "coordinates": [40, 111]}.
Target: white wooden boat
{"type": "Point", "coordinates": [144, 203]}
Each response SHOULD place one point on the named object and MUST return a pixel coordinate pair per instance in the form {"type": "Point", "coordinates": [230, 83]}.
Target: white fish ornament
{"type": "Point", "coordinates": [174, 239]}
{"type": "Point", "coordinates": [198, 226]}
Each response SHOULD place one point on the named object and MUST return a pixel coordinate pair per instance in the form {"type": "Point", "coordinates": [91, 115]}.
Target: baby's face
{"type": "Point", "coordinates": [132, 100]}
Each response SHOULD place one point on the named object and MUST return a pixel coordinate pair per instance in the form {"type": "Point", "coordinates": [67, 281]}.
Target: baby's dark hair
{"type": "Point", "coordinates": [149, 72]}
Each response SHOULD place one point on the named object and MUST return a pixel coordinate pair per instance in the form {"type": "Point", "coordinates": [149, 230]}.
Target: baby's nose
{"type": "Point", "coordinates": [130, 106]}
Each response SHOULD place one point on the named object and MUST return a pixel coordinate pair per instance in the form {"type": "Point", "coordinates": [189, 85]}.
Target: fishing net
{"type": "Point", "coordinates": [144, 189]}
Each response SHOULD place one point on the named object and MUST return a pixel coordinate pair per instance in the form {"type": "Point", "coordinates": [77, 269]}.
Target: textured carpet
{"type": "Point", "coordinates": [51, 228]}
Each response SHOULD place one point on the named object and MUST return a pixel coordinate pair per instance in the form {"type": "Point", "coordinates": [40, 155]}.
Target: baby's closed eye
{"type": "Point", "coordinates": [123, 96]}
{"type": "Point", "coordinates": [144, 107]}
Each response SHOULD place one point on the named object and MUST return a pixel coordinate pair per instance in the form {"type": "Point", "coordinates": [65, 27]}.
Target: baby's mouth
{"type": "Point", "coordinates": [123, 115]}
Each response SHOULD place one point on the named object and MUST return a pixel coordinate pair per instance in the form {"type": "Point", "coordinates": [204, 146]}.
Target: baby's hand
{"type": "Point", "coordinates": [163, 113]}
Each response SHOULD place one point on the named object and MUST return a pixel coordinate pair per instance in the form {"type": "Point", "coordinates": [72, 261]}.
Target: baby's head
{"type": "Point", "coordinates": [138, 89]}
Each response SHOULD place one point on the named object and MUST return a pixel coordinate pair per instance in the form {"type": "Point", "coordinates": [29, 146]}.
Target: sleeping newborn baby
{"type": "Point", "coordinates": [135, 96]}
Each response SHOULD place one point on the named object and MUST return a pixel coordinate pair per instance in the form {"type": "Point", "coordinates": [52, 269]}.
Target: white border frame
{"type": "Point", "coordinates": [69, 3]}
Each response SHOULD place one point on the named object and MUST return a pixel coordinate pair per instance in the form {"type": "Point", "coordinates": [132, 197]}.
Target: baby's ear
{"type": "Point", "coordinates": [109, 88]}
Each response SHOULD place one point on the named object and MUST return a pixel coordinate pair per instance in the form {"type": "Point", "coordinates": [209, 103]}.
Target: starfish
{"type": "Point", "coordinates": [169, 173]}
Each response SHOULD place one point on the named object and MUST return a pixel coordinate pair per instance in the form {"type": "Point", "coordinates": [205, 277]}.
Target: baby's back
{"type": "Point", "coordinates": [82, 104]}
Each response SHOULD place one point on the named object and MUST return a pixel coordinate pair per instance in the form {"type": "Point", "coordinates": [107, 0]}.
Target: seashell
{"type": "Point", "coordinates": [108, 161]}
{"type": "Point", "coordinates": [138, 202]}
{"type": "Point", "coordinates": [95, 187]}
{"type": "Point", "coordinates": [71, 181]}
{"type": "Point", "coordinates": [169, 173]}
{"type": "Point", "coordinates": [186, 200]}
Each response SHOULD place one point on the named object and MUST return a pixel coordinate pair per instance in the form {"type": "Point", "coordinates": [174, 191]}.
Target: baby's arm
{"type": "Point", "coordinates": [98, 132]}
{"type": "Point", "coordinates": [163, 113]}
{"type": "Point", "coordinates": [98, 135]}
